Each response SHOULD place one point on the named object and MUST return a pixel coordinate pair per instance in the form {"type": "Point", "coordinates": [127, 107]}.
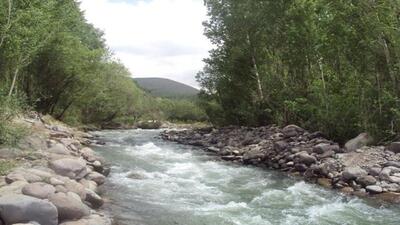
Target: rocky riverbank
{"type": "Point", "coordinates": [355, 169]}
{"type": "Point", "coordinates": [54, 179]}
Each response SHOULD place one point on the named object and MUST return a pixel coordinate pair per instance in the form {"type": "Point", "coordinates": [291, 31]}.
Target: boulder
{"type": "Point", "coordinates": [352, 173]}
{"type": "Point", "coordinates": [392, 163]}
{"type": "Point", "coordinates": [72, 168]}
{"type": "Point", "coordinates": [366, 180]}
{"type": "Point", "coordinates": [14, 188]}
{"type": "Point", "coordinates": [292, 131]}
{"type": "Point", "coordinates": [325, 182]}
{"type": "Point", "coordinates": [358, 142]}
{"type": "Point", "coordinates": [324, 147]}
{"type": "Point", "coordinates": [22, 209]}
{"type": "Point", "coordinates": [305, 158]}
{"type": "Point", "coordinates": [394, 147]}
{"type": "Point", "coordinates": [253, 154]}
{"type": "Point", "coordinates": [38, 190]}
{"type": "Point", "coordinates": [22, 175]}
{"type": "Point", "coordinates": [150, 124]}
{"type": "Point", "coordinates": [374, 189]}
{"type": "Point", "coordinates": [96, 177]}
{"type": "Point", "coordinates": [90, 220]}
{"type": "Point", "coordinates": [69, 207]}
{"type": "Point", "coordinates": [94, 199]}
{"type": "Point", "coordinates": [59, 149]}
{"type": "Point", "coordinates": [75, 187]}
{"type": "Point", "coordinates": [88, 154]}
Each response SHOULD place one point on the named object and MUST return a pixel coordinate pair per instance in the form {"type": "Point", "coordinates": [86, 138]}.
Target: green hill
{"type": "Point", "coordinates": [162, 87]}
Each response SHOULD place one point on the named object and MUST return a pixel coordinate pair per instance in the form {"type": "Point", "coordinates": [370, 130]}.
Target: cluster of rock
{"type": "Point", "coordinates": [355, 169]}
{"type": "Point", "coordinates": [57, 181]}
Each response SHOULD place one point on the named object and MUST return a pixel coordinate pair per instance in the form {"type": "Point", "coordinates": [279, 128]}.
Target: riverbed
{"type": "Point", "coordinates": [155, 182]}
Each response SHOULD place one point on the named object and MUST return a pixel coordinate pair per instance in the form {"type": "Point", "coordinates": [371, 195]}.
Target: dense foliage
{"type": "Point", "coordinates": [325, 65]}
{"type": "Point", "coordinates": [52, 59]}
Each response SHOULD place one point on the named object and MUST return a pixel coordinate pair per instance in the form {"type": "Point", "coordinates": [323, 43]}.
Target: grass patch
{"type": "Point", "coordinates": [6, 166]}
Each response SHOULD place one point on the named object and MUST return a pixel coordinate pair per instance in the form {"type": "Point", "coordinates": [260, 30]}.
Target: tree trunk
{"type": "Point", "coordinates": [59, 117]}
{"type": "Point", "coordinates": [14, 81]}
{"type": "Point", "coordinates": [256, 72]}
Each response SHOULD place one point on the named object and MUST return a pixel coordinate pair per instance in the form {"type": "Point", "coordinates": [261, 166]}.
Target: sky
{"type": "Point", "coordinates": [153, 38]}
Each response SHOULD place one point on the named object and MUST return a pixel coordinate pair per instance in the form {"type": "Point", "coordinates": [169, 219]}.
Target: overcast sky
{"type": "Point", "coordinates": [154, 38]}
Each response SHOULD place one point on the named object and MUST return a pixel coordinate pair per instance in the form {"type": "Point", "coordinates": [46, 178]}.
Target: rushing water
{"type": "Point", "coordinates": [173, 184]}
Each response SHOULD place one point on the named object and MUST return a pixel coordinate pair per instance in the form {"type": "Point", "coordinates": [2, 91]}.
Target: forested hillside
{"type": "Point", "coordinates": [161, 87]}
{"type": "Point", "coordinates": [53, 61]}
{"type": "Point", "coordinates": [325, 65]}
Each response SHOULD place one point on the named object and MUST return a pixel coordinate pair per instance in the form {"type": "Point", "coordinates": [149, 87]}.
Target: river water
{"type": "Point", "coordinates": [154, 182]}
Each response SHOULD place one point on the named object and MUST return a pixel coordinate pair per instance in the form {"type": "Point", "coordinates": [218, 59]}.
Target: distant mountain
{"type": "Point", "coordinates": [162, 87]}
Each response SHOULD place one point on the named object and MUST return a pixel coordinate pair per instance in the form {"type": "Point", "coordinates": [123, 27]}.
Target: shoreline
{"type": "Point", "coordinates": [367, 172]}
{"type": "Point", "coordinates": [55, 179]}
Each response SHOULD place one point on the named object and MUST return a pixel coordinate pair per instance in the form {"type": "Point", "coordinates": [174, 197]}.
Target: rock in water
{"type": "Point", "coordinates": [22, 209]}
{"type": "Point", "coordinates": [358, 142]}
{"type": "Point", "coordinates": [375, 189]}
{"type": "Point", "coordinates": [69, 207]}
{"type": "Point", "coordinates": [72, 168]}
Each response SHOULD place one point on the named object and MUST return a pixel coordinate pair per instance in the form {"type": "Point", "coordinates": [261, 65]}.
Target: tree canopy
{"type": "Point", "coordinates": [326, 65]}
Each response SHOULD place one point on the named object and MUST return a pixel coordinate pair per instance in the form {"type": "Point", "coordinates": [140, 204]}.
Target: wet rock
{"type": "Point", "coordinates": [300, 167]}
{"type": "Point", "coordinates": [394, 147]}
{"type": "Point", "coordinates": [22, 208]}
{"type": "Point", "coordinates": [96, 177]}
{"type": "Point", "coordinates": [347, 190]}
{"type": "Point", "coordinates": [69, 208]}
{"type": "Point", "coordinates": [94, 199]}
{"type": "Point", "coordinates": [136, 176]}
{"type": "Point", "coordinates": [213, 149]}
{"type": "Point", "coordinates": [352, 173]}
{"type": "Point", "coordinates": [253, 154]}
{"type": "Point", "coordinates": [38, 190]}
{"type": "Point", "coordinates": [366, 180]}
{"type": "Point", "coordinates": [360, 141]}
{"type": "Point", "coordinates": [325, 182]}
{"type": "Point", "coordinates": [72, 168]}
{"type": "Point", "coordinates": [389, 197]}
{"type": "Point", "coordinates": [374, 189]}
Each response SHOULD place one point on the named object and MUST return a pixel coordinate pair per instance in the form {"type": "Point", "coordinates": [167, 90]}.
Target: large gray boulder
{"type": "Point", "coordinates": [394, 147]}
{"type": "Point", "coordinates": [94, 199]}
{"type": "Point", "coordinates": [96, 177]}
{"type": "Point", "coordinates": [23, 209]}
{"type": "Point", "coordinates": [352, 173]}
{"type": "Point", "coordinates": [72, 168]}
{"type": "Point", "coordinates": [90, 220]}
{"type": "Point", "coordinates": [69, 206]}
{"type": "Point", "coordinates": [358, 142]}
{"type": "Point", "coordinates": [38, 190]}
{"type": "Point", "coordinates": [59, 149]}
{"type": "Point", "coordinates": [75, 187]}
{"type": "Point", "coordinates": [305, 158]}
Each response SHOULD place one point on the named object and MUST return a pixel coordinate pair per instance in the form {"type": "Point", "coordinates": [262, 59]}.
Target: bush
{"type": "Point", "coordinates": [9, 108]}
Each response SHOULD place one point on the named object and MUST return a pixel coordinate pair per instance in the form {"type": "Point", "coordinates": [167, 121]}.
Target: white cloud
{"type": "Point", "coordinates": [154, 37]}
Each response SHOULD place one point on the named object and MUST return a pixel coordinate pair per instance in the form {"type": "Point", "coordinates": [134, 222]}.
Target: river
{"type": "Point", "coordinates": [154, 182]}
